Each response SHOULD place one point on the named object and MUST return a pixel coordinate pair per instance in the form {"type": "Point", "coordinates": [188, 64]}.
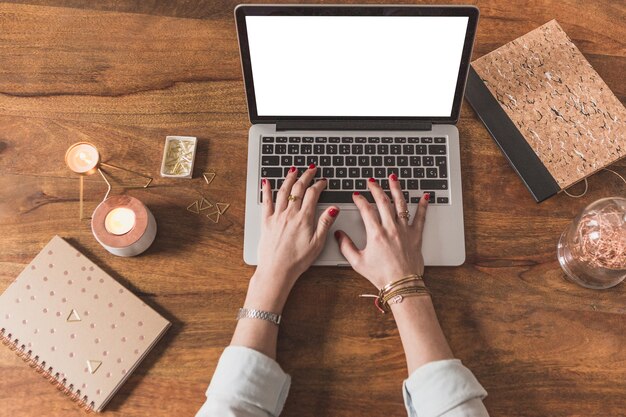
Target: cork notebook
{"type": "Point", "coordinates": [549, 111]}
{"type": "Point", "coordinates": [76, 325]}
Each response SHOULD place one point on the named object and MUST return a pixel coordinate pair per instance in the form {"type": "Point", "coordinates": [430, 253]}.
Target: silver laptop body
{"type": "Point", "coordinates": [422, 149]}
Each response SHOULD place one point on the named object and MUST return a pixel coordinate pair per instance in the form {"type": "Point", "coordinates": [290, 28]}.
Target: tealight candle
{"type": "Point", "coordinates": [123, 225]}
{"type": "Point", "coordinates": [119, 221]}
{"type": "Point", "coordinates": [82, 158]}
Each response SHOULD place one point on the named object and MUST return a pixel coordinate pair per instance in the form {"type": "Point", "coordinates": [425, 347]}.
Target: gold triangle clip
{"type": "Point", "coordinates": [73, 316]}
{"type": "Point", "coordinates": [205, 204]}
{"type": "Point", "coordinates": [93, 366]}
{"type": "Point", "coordinates": [208, 177]}
{"type": "Point", "coordinates": [193, 207]}
{"type": "Point", "coordinates": [214, 217]}
{"type": "Point", "coordinates": [222, 207]}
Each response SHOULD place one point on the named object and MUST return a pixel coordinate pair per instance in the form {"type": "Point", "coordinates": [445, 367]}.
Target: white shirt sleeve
{"type": "Point", "coordinates": [444, 389]}
{"type": "Point", "coordinates": [246, 383]}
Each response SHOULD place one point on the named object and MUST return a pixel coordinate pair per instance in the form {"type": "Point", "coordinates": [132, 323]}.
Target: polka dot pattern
{"type": "Point", "coordinates": [112, 321]}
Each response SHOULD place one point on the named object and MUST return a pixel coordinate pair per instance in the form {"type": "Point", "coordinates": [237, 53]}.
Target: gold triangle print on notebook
{"type": "Point", "coordinates": [93, 366]}
{"type": "Point", "coordinates": [73, 316]}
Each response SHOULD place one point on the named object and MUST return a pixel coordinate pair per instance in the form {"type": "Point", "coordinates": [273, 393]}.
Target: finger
{"type": "Point", "coordinates": [285, 190]}
{"type": "Point", "coordinates": [312, 195]}
{"type": "Point", "coordinates": [325, 223]}
{"type": "Point", "coordinates": [300, 187]}
{"type": "Point", "coordinates": [398, 198]}
{"type": "Point", "coordinates": [368, 212]}
{"type": "Point", "coordinates": [420, 216]}
{"type": "Point", "coordinates": [348, 248]}
{"type": "Point", "coordinates": [387, 216]}
{"type": "Point", "coordinates": [268, 204]}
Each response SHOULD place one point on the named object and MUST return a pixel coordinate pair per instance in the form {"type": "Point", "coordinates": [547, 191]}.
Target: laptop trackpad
{"type": "Point", "coordinates": [350, 222]}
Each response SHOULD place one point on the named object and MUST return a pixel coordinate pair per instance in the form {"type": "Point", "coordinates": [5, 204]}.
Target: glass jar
{"type": "Point", "coordinates": [592, 249]}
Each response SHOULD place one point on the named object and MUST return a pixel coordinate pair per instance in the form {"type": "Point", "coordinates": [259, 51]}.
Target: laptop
{"type": "Point", "coordinates": [359, 91]}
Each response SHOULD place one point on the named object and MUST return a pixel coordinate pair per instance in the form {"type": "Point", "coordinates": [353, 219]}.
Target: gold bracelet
{"type": "Point", "coordinates": [397, 295]}
{"type": "Point", "coordinates": [408, 278]}
{"type": "Point", "coordinates": [412, 288]}
{"type": "Point", "coordinates": [397, 288]}
{"type": "Point", "coordinates": [399, 298]}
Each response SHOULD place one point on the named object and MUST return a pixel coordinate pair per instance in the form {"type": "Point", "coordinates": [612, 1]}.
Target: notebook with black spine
{"type": "Point", "coordinates": [551, 114]}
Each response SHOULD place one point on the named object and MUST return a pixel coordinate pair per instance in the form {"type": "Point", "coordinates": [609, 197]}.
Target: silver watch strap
{"type": "Point", "coordinates": [250, 313]}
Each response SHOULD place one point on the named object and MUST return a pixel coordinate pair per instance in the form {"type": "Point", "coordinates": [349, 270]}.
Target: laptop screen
{"type": "Point", "coordinates": [355, 66]}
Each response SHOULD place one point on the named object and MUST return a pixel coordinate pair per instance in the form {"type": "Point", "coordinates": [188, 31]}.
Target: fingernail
{"type": "Point", "coordinates": [356, 193]}
{"type": "Point", "coordinates": [324, 179]}
{"type": "Point", "coordinates": [337, 234]}
{"type": "Point", "coordinates": [333, 212]}
{"type": "Point", "coordinates": [393, 177]}
{"type": "Point", "coordinates": [427, 196]}
{"type": "Point", "coordinates": [372, 180]}
{"type": "Point", "coordinates": [263, 181]}
{"type": "Point", "coordinates": [292, 169]}
{"type": "Point", "coordinates": [312, 166]}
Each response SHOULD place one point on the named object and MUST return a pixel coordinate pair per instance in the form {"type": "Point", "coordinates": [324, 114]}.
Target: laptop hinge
{"type": "Point", "coordinates": [352, 125]}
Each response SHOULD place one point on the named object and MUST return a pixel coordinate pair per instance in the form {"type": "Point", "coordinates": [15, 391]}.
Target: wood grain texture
{"type": "Point", "coordinates": [124, 74]}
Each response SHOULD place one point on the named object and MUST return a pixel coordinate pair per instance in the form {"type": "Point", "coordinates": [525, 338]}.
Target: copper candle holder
{"type": "Point", "coordinates": [128, 235]}
{"type": "Point", "coordinates": [83, 158]}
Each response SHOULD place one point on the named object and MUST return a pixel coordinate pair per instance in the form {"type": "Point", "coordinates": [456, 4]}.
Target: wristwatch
{"type": "Point", "coordinates": [249, 313]}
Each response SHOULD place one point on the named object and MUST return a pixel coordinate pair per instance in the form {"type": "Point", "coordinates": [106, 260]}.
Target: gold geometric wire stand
{"type": "Point", "coordinates": [109, 187]}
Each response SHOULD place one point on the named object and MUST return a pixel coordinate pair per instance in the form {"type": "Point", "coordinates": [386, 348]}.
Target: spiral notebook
{"type": "Point", "coordinates": [77, 326]}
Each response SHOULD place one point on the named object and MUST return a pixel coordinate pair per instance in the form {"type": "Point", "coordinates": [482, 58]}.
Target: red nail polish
{"type": "Point", "coordinates": [263, 181]}
{"type": "Point", "coordinates": [372, 180]}
{"type": "Point", "coordinates": [356, 193]}
{"type": "Point", "coordinates": [427, 196]}
{"type": "Point", "coordinates": [393, 177]}
{"type": "Point", "coordinates": [337, 234]}
{"type": "Point", "coordinates": [324, 179]}
{"type": "Point", "coordinates": [312, 166]}
{"type": "Point", "coordinates": [333, 212]}
{"type": "Point", "coordinates": [292, 169]}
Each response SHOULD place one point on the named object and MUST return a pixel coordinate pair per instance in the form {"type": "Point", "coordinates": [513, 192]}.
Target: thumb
{"type": "Point", "coordinates": [347, 247]}
{"type": "Point", "coordinates": [325, 222]}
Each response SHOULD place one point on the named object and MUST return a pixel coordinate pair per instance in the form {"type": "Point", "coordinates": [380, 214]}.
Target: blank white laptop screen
{"type": "Point", "coordinates": [393, 66]}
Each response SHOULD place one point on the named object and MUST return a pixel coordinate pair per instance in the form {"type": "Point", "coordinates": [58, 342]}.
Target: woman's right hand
{"type": "Point", "coordinates": [394, 245]}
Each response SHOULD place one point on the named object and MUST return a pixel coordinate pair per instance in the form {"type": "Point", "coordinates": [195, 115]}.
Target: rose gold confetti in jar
{"type": "Point", "coordinates": [592, 249]}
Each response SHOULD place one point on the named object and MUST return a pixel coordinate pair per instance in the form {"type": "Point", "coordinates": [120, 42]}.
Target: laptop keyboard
{"type": "Point", "coordinates": [421, 164]}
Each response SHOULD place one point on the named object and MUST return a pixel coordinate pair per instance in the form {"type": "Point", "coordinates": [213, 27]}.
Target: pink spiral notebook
{"type": "Point", "coordinates": [77, 326]}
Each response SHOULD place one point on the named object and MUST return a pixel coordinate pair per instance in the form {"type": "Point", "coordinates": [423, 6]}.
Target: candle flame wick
{"type": "Point", "coordinates": [84, 157]}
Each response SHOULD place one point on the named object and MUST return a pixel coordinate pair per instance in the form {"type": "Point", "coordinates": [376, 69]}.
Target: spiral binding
{"type": "Point", "coordinates": [49, 374]}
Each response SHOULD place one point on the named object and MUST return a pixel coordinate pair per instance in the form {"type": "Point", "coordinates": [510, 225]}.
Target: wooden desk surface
{"type": "Point", "coordinates": [124, 74]}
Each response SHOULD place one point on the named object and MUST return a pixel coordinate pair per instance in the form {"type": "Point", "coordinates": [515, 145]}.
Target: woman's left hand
{"type": "Point", "coordinates": [291, 239]}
